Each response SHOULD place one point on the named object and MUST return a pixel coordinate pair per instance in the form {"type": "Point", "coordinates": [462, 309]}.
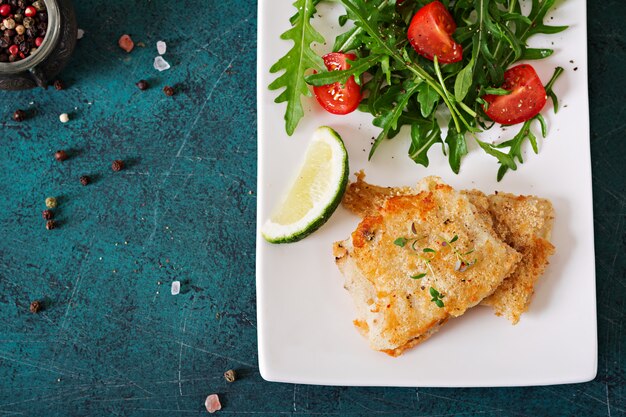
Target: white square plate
{"type": "Point", "coordinates": [305, 316]}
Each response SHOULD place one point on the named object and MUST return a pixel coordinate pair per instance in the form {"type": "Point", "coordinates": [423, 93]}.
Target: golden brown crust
{"type": "Point", "coordinates": [398, 311]}
{"type": "Point", "coordinates": [366, 199]}
{"type": "Point", "coordinates": [523, 222]}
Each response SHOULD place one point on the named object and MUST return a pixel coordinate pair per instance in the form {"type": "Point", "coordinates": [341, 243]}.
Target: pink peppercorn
{"type": "Point", "coordinates": [5, 10]}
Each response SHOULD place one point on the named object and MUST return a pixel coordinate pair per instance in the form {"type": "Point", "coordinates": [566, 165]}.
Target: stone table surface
{"type": "Point", "coordinates": [112, 340]}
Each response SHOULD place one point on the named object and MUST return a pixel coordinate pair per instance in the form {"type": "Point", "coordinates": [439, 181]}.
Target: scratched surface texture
{"type": "Point", "coordinates": [112, 340]}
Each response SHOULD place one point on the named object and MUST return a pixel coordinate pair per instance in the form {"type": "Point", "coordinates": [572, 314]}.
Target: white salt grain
{"type": "Point", "coordinates": [175, 287]}
{"type": "Point", "coordinates": [161, 64]}
{"type": "Point", "coordinates": [161, 47]}
{"type": "Point", "coordinates": [80, 33]}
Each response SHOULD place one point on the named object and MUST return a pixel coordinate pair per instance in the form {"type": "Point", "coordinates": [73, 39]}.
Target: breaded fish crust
{"type": "Point", "coordinates": [523, 222]}
{"type": "Point", "coordinates": [414, 245]}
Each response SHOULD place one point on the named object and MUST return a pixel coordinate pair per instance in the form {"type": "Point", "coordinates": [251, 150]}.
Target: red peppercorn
{"type": "Point", "coordinates": [35, 306]}
{"type": "Point", "coordinates": [38, 42]}
{"type": "Point", "coordinates": [19, 115]}
{"type": "Point", "coordinates": [60, 156]}
{"type": "Point", "coordinates": [14, 50]}
{"type": "Point", "coordinates": [47, 214]}
{"type": "Point", "coordinates": [5, 10]}
{"type": "Point", "coordinates": [30, 11]}
{"type": "Point", "coordinates": [117, 165]}
{"type": "Point", "coordinates": [169, 91]}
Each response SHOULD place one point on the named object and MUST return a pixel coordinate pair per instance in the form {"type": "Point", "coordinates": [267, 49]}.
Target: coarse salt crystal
{"type": "Point", "coordinates": [175, 287]}
{"type": "Point", "coordinates": [80, 33]}
{"type": "Point", "coordinates": [161, 64]}
{"type": "Point", "coordinates": [212, 403]}
{"type": "Point", "coordinates": [161, 47]}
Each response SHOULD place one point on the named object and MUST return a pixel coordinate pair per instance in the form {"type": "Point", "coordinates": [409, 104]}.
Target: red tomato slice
{"type": "Point", "coordinates": [337, 98]}
{"type": "Point", "coordinates": [527, 98]}
{"type": "Point", "coordinates": [430, 34]}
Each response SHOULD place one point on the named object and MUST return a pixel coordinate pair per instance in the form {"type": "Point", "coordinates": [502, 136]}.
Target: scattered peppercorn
{"type": "Point", "coordinates": [117, 165]}
{"type": "Point", "coordinates": [64, 117]}
{"type": "Point", "coordinates": [169, 91]}
{"type": "Point", "coordinates": [51, 202]}
{"type": "Point", "coordinates": [85, 180]}
{"type": "Point", "coordinates": [51, 224]}
{"type": "Point", "coordinates": [230, 376]}
{"type": "Point", "coordinates": [47, 214]}
{"type": "Point", "coordinates": [19, 115]}
{"type": "Point", "coordinates": [35, 307]}
{"type": "Point", "coordinates": [142, 85]}
{"type": "Point", "coordinates": [60, 156]}
{"type": "Point", "coordinates": [59, 85]}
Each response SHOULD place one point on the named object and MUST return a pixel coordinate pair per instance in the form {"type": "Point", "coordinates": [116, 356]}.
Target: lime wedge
{"type": "Point", "coordinates": [315, 193]}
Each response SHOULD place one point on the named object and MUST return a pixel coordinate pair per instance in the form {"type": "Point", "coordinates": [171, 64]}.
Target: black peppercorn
{"type": "Point", "coordinates": [35, 307]}
{"type": "Point", "coordinates": [117, 165]}
{"type": "Point", "coordinates": [169, 91]}
{"type": "Point", "coordinates": [59, 85]}
{"type": "Point", "coordinates": [85, 180]}
{"type": "Point", "coordinates": [51, 224]}
{"type": "Point", "coordinates": [60, 156]}
{"type": "Point", "coordinates": [142, 85]}
{"type": "Point", "coordinates": [19, 115]}
{"type": "Point", "coordinates": [47, 214]}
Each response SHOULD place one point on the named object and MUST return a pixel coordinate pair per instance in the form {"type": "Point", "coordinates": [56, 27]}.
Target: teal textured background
{"type": "Point", "coordinates": [112, 340]}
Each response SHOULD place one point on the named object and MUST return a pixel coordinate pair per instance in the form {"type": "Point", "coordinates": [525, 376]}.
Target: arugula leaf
{"type": "Point", "coordinates": [422, 138]}
{"type": "Point", "coordinates": [296, 62]}
{"type": "Point", "coordinates": [357, 68]}
{"type": "Point", "coordinates": [388, 118]}
{"type": "Point", "coordinates": [457, 147]}
{"type": "Point", "coordinates": [464, 78]}
{"type": "Point", "coordinates": [428, 98]}
{"type": "Point", "coordinates": [550, 93]}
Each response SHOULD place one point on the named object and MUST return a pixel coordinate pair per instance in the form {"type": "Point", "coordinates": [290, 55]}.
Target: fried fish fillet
{"type": "Point", "coordinates": [523, 222]}
{"type": "Point", "coordinates": [413, 251]}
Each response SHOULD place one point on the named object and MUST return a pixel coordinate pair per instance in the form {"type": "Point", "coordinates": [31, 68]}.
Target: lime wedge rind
{"type": "Point", "coordinates": [325, 204]}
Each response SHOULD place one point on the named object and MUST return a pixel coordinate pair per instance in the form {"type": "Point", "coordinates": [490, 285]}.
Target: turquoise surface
{"type": "Point", "coordinates": [112, 340]}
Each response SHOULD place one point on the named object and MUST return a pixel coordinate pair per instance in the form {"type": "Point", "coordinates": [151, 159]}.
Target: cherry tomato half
{"type": "Point", "coordinates": [430, 34]}
{"type": "Point", "coordinates": [337, 98]}
{"type": "Point", "coordinates": [527, 98]}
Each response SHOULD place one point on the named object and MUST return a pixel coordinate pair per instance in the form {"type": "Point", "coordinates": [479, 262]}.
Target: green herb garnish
{"type": "Point", "coordinates": [419, 276]}
{"type": "Point", "coordinates": [401, 241]}
{"type": "Point", "coordinates": [436, 297]}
